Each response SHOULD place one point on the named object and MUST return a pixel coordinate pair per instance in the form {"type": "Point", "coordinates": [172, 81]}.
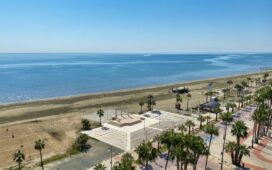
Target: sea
{"type": "Point", "coordinates": [34, 76]}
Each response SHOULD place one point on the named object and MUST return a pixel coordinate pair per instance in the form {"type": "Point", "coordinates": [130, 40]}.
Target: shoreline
{"type": "Point", "coordinates": [132, 90]}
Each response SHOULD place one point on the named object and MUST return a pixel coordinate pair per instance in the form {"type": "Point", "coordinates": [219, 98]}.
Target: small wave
{"type": "Point", "coordinates": [23, 65]}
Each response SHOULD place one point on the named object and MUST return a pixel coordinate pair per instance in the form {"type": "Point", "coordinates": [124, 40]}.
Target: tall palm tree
{"type": "Point", "coordinates": [226, 118]}
{"type": "Point", "coordinates": [217, 111]}
{"type": "Point", "coordinates": [239, 89]}
{"type": "Point", "coordinates": [208, 118]}
{"type": "Point", "coordinates": [228, 106]}
{"type": "Point", "coordinates": [225, 91]}
{"type": "Point", "coordinates": [146, 153]}
{"type": "Point", "coordinates": [178, 100]}
{"type": "Point", "coordinates": [100, 114]}
{"type": "Point", "coordinates": [232, 106]}
{"type": "Point", "coordinates": [201, 119]}
{"type": "Point", "coordinates": [39, 145]}
{"type": "Point", "coordinates": [189, 124]}
{"type": "Point", "coordinates": [239, 129]}
{"type": "Point", "coordinates": [188, 100]}
{"type": "Point", "coordinates": [141, 104]}
{"type": "Point", "coordinates": [157, 139]}
{"type": "Point", "coordinates": [230, 147]}
{"type": "Point", "coordinates": [243, 151]}
{"type": "Point", "coordinates": [211, 130]}
{"type": "Point", "coordinates": [229, 82]}
{"type": "Point", "coordinates": [199, 148]}
{"type": "Point", "coordinates": [150, 102]}
{"type": "Point", "coordinates": [182, 128]}
{"type": "Point", "coordinates": [237, 152]}
{"type": "Point", "coordinates": [126, 162]}
{"type": "Point", "coordinates": [100, 166]}
{"type": "Point", "coordinates": [168, 139]}
{"type": "Point", "coordinates": [19, 157]}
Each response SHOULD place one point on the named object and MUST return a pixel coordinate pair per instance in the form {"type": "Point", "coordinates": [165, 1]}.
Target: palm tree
{"type": "Point", "coordinates": [232, 106]}
{"type": "Point", "coordinates": [189, 124]}
{"type": "Point", "coordinates": [150, 102]}
{"type": "Point", "coordinates": [100, 166]}
{"type": "Point", "coordinates": [201, 119]}
{"type": "Point", "coordinates": [226, 118]}
{"type": "Point", "coordinates": [230, 147]}
{"type": "Point", "coordinates": [157, 139]}
{"type": "Point", "coordinates": [208, 118]}
{"type": "Point", "coordinates": [168, 139]}
{"type": "Point", "coordinates": [228, 106]}
{"type": "Point", "coordinates": [237, 152]}
{"type": "Point", "coordinates": [146, 153]}
{"type": "Point", "coordinates": [239, 89]}
{"type": "Point", "coordinates": [141, 104]}
{"type": "Point", "coordinates": [239, 129]}
{"type": "Point", "coordinates": [211, 130]}
{"type": "Point", "coordinates": [182, 128]}
{"type": "Point", "coordinates": [224, 92]}
{"type": "Point", "coordinates": [229, 82]}
{"type": "Point", "coordinates": [244, 84]}
{"type": "Point", "coordinates": [85, 124]}
{"type": "Point", "coordinates": [188, 100]}
{"type": "Point", "coordinates": [178, 100]}
{"type": "Point", "coordinates": [216, 111]}
{"type": "Point", "coordinates": [100, 114]}
{"type": "Point", "coordinates": [126, 162]}
{"type": "Point", "coordinates": [39, 145]}
{"type": "Point", "coordinates": [19, 157]}
{"type": "Point", "coordinates": [82, 141]}
{"type": "Point", "coordinates": [198, 147]}
{"type": "Point", "coordinates": [243, 151]}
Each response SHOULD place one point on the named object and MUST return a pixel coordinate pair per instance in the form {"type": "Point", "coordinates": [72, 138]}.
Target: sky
{"type": "Point", "coordinates": [192, 26]}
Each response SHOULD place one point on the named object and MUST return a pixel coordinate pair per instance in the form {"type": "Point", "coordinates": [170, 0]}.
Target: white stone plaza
{"type": "Point", "coordinates": [133, 129]}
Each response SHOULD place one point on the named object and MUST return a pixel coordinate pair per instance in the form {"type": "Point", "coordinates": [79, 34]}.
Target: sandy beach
{"type": "Point", "coordinates": [127, 99]}
{"type": "Point", "coordinates": [62, 116]}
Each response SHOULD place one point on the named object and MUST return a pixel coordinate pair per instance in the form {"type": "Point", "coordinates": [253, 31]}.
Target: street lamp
{"type": "Point", "coordinates": [111, 152]}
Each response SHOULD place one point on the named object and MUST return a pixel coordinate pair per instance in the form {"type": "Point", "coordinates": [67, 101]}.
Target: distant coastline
{"type": "Point", "coordinates": [133, 90]}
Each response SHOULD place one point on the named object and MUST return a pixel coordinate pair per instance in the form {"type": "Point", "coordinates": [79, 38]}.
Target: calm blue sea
{"type": "Point", "coordinates": [25, 77]}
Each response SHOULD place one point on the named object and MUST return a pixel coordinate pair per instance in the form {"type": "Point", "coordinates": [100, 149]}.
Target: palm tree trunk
{"type": "Point", "coordinates": [258, 133]}
{"type": "Point", "coordinates": [253, 135]}
{"type": "Point", "coordinates": [41, 160]}
{"type": "Point", "coordinates": [146, 165]}
{"type": "Point", "coordinates": [167, 159]}
{"type": "Point", "coordinates": [158, 146]}
{"type": "Point", "coordinates": [19, 165]}
{"type": "Point", "coordinates": [177, 164]}
{"type": "Point", "coordinates": [237, 149]}
{"type": "Point", "coordinates": [195, 163]}
{"type": "Point", "coordinates": [223, 149]}
{"type": "Point", "coordinates": [208, 151]}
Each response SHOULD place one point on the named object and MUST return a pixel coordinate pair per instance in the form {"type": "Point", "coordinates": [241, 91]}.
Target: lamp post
{"type": "Point", "coordinates": [110, 150]}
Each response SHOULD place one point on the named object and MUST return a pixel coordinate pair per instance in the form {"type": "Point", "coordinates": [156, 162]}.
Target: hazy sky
{"type": "Point", "coordinates": [135, 25]}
